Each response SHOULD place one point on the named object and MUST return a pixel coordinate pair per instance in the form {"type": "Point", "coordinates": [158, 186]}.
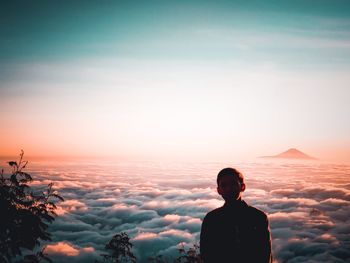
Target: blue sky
{"type": "Point", "coordinates": [203, 30]}
{"type": "Point", "coordinates": [155, 72]}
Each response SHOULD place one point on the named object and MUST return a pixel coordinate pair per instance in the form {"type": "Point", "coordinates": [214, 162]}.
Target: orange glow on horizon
{"type": "Point", "coordinates": [157, 120]}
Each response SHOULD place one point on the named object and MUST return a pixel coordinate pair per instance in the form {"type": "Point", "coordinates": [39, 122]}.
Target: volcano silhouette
{"type": "Point", "coordinates": [292, 153]}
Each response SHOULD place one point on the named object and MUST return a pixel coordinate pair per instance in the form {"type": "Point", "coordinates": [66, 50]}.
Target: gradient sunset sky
{"type": "Point", "coordinates": [189, 80]}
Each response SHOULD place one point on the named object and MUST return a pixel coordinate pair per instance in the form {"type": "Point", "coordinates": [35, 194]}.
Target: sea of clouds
{"type": "Point", "coordinates": [161, 207]}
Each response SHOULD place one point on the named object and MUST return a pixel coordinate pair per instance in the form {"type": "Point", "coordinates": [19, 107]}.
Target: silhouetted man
{"type": "Point", "coordinates": [235, 232]}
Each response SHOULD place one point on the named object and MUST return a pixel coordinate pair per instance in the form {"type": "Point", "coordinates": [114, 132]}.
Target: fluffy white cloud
{"type": "Point", "coordinates": [308, 209]}
{"type": "Point", "coordinates": [62, 248]}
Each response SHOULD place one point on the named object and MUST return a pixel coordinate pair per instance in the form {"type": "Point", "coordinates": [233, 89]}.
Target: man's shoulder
{"type": "Point", "coordinates": [256, 213]}
{"type": "Point", "coordinates": [251, 211]}
{"type": "Point", "coordinates": [214, 213]}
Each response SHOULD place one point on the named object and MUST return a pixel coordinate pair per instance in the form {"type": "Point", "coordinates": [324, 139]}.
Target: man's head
{"type": "Point", "coordinates": [230, 184]}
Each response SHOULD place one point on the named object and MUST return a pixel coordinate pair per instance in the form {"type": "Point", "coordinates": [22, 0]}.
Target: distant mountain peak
{"type": "Point", "coordinates": [293, 150]}
{"type": "Point", "coordinates": [291, 153]}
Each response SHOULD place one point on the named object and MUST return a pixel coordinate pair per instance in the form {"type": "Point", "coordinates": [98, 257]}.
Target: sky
{"type": "Point", "coordinates": [184, 80]}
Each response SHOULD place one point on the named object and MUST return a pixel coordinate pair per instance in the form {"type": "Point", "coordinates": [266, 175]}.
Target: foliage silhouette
{"type": "Point", "coordinates": [191, 255]}
{"type": "Point", "coordinates": [26, 215]}
{"type": "Point", "coordinates": [119, 248]}
{"type": "Point", "coordinates": [120, 251]}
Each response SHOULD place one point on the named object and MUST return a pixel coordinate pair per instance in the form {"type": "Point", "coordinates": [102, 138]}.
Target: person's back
{"type": "Point", "coordinates": [235, 232]}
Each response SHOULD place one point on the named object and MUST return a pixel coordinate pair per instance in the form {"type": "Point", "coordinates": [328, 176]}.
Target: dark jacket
{"type": "Point", "coordinates": [236, 233]}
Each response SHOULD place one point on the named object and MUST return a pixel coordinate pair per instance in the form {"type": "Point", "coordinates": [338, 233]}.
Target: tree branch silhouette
{"type": "Point", "coordinates": [26, 214]}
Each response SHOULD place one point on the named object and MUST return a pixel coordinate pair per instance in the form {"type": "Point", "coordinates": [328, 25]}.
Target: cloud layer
{"type": "Point", "coordinates": [161, 207]}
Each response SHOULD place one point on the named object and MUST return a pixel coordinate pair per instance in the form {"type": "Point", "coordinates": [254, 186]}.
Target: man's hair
{"type": "Point", "coordinates": [230, 172]}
